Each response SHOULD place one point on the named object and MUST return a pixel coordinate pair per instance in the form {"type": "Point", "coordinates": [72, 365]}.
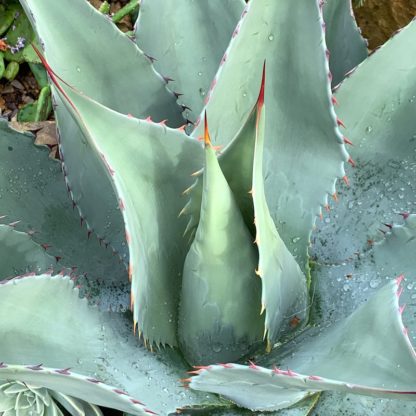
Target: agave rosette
{"type": "Point", "coordinates": [216, 236]}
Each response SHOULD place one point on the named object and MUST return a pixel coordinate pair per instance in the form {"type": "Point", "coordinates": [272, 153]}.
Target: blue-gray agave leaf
{"type": "Point", "coordinates": [35, 199]}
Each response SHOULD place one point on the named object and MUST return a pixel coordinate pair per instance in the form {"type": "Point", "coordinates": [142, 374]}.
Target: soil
{"type": "Point", "coordinates": [22, 90]}
{"type": "Point", "coordinates": [379, 19]}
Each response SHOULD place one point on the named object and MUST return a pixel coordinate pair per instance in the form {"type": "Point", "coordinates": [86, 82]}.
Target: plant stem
{"type": "Point", "coordinates": [124, 11]}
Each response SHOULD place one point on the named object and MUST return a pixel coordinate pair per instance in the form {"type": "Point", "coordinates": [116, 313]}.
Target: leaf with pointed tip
{"type": "Point", "coordinates": [220, 300]}
{"type": "Point", "coordinates": [236, 162]}
{"type": "Point", "coordinates": [19, 254]}
{"type": "Point", "coordinates": [105, 352]}
{"type": "Point", "coordinates": [338, 289]}
{"type": "Point", "coordinates": [379, 115]}
{"type": "Point", "coordinates": [343, 38]}
{"type": "Point", "coordinates": [390, 257]}
{"type": "Point", "coordinates": [73, 385]}
{"type": "Point", "coordinates": [284, 291]}
{"type": "Point", "coordinates": [345, 357]}
{"type": "Point", "coordinates": [149, 180]}
{"type": "Point", "coordinates": [88, 51]}
{"type": "Point", "coordinates": [88, 186]}
{"type": "Point", "coordinates": [303, 138]}
{"type": "Point", "coordinates": [33, 193]}
{"type": "Point", "coordinates": [190, 45]}
{"type": "Point", "coordinates": [141, 91]}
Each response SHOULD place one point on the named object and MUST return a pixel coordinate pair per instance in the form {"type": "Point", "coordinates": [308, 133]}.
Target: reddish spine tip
{"type": "Point", "coordinates": [340, 123]}
{"type": "Point", "coordinates": [346, 180]}
{"type": "Point", "coordinates": [202, 367]}
{"type": "Point", "coordinates": [399, 292]}
{"type": "Point", "coordinates": [225, 365]}
{"type": "Point", "coordinates": [207, 139]}
{"type": "Point", "coordinates": [405, 215]}
{"type": "Point", "coordinates": [185, 380]}
{"type": "Point", "coordinates": [260, 100]}
{"type": "Point", "coordinates": [276, 370]}
{"type": "Point", "coordinates": [348, 141]}
{"type": "Point", "coordinates": [351, 162]}
{"type": "Point", "coordinates": [399, 279]}
{"type": "Point", "coordinates": [64, 371]}
{"type": "Point", "coordinates": [252, 366]}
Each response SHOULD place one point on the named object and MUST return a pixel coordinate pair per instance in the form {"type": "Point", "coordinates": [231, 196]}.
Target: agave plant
{"type": "Point", "coordinates": [213, 184]}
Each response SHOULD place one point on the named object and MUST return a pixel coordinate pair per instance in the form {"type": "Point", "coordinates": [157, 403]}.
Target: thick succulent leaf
{"type": "Point", "coordinates": [74, 385]}
{"type": "Point", "coordinates": [32, 191]}
{"type": "Point", "coordinates": [149, 180]}
{"type": "Point", "coordinates": [379, 114]}
{"type": "Point", "coordinates": [19, 398]}
{"type": "Point", "coordinates": [87, 184]}
{"type": "Point", "coordinates": [20, 29]}
{"type": "Point", "coordinates": [284, 292]}
{"type": "Point", "coordinates": [62, 319]}
{"type": "Point", "coordinates": [105, 349]}
{"type": "Point", "coordinates": [142, 91]}
{"type": "Point", "coordinates": [395, 255]}
{"type": "Point", "coordinates": [346, 357]}
{"type": "Point", "coordinates": [353, 281]}
{"type": "Point", "coordinates": [337, 289]}
{"type": "Point", "coordinates": [303, 408]}
{"type": "Point", "coordinates": [19, 254]}
{"type": "Point", "coordinates": [139, 90]}
{"type": "Point", "coordinates": [343, 38]}
{"type": "Point", "coordinates": [302, 135]}
{"type": "Point", "coordinates": [236, 162]}
{"type": "Point", "coordinates": [189, 46]}
{"type": "Point", "coordinates": [220, 299]}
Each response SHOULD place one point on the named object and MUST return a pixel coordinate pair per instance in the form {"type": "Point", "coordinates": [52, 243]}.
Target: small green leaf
{"type": "Point", "coordinates": [21, 30]}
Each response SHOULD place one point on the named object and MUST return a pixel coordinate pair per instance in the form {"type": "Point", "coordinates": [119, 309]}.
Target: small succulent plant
{"type": "Point", "coordinates": [19, 398]}
{"type": "Point", "coordinates": [213, 184]}
{"type": "Point", "coordinates": [16, 38]}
